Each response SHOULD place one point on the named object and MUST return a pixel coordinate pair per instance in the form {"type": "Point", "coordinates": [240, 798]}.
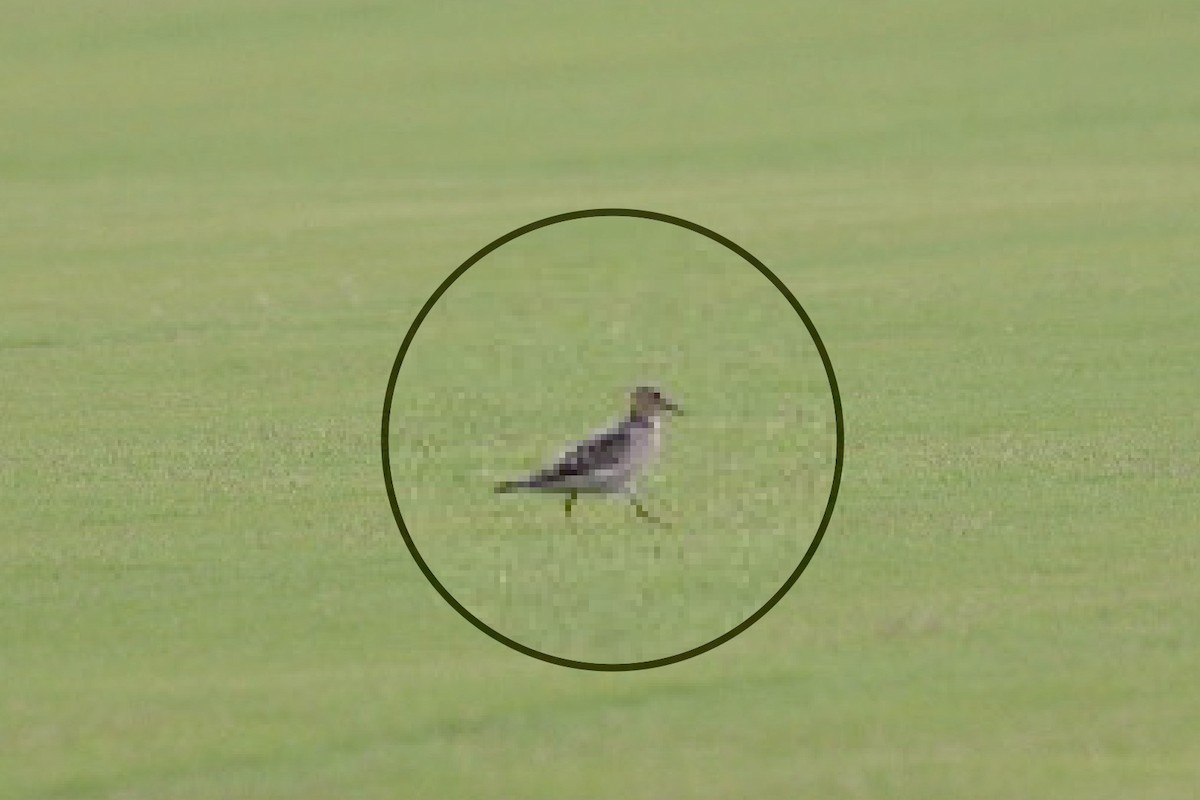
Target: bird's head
{"type": "Point", "coordinates": [646, 401]}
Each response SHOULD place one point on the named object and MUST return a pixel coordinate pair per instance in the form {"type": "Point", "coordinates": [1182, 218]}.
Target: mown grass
{"type": "Point", "coordinates": [218, 219]}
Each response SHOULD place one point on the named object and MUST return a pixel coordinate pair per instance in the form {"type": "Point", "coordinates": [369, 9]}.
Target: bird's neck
{"type": "Point", "coordinates": [640, 418]}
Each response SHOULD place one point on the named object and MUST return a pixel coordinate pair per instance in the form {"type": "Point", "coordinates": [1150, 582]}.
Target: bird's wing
{"type": "Point", "coordinates": [600, 452]}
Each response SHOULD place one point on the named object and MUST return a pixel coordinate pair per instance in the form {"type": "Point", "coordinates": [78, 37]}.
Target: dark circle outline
{"type": "Point", "coordinates": [834, 486]}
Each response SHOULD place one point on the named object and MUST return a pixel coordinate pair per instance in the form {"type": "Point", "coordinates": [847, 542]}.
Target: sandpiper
{"type": "Point", "coordinates": [608, 461]}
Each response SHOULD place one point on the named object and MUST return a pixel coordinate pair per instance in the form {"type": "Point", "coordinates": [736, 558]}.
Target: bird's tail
{"type": "Point", "coordinates": [513, 486]}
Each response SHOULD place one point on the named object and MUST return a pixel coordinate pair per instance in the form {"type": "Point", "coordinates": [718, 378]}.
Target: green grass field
{"type": "Point", "coordinates": [218, 219]}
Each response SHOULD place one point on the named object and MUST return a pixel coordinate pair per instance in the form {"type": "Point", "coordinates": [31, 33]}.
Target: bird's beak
{"type": "Point", "coordinates": [670, 406]}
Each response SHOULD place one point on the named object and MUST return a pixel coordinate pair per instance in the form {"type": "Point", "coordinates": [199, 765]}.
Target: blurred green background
{"type": "Point", "coordinates": [218, 219]}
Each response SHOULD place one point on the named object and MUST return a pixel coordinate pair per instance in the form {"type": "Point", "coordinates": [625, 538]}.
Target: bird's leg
{"type": "Point", "coordinates": [643, 513]}
{"type": "Point", "coordinates": [571, 501]}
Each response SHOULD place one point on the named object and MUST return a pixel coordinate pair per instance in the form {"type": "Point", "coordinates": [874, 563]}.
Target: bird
{"type": "Point", "coordinates": [610, 460]}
